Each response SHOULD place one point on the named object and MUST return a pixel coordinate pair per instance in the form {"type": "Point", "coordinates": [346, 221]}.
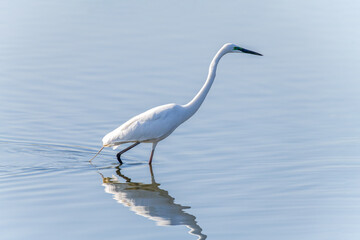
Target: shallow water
{"type": "Point", "coordinates": [273, 153]}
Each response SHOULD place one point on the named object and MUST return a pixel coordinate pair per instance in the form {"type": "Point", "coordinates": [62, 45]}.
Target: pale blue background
{"type": "Point", "coordinates": [272, 154]}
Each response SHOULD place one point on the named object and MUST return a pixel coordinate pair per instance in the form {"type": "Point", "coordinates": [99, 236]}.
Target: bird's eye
{"type": "Point", "coordinates": [237, 48]}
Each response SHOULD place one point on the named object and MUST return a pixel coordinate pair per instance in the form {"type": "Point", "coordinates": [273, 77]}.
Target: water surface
{"type": "Point", "coordinates": [273, 153]}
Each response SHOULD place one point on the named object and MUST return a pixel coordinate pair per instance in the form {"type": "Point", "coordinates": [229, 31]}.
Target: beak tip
{"type": "Point", "coordinates": [256, 53]}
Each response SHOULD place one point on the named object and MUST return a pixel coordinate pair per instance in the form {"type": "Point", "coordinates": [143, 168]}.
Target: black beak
{"type": "Point", "coordinates": [250, 52]}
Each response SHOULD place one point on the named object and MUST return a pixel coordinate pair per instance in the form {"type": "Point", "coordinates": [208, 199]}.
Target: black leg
{"type": "Point", "coordinates": [125, 150]}
{"type": "Point", "coordinates": [152, 152]}
{"type": "Point", "coordinates": [118, 158]}
{"type": "Point", "coordinates": [151, 157]}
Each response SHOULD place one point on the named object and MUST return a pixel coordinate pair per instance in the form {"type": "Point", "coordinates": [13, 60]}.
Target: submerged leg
{"type": "Point", "coordinates": [125, 150]}
{"type": "Point", "coordinates": [152, 152]}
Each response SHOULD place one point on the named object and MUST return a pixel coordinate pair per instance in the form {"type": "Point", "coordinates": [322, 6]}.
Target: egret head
{"type": "Point", "coordinates": [232, 48]}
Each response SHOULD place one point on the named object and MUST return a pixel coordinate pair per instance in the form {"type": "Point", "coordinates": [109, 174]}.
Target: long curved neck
{"type": "Point", "coordinates": [196, 102]}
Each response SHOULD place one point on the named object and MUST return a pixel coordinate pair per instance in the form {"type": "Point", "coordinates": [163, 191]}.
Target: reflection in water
{"type": "Point", "coordinates": [150, 201]}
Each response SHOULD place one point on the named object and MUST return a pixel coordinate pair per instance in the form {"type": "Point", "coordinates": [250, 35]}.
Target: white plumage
{"type": "Point", "coordinates": [159, 122]}
{"type": "Point", "coordinates": [151, 126]}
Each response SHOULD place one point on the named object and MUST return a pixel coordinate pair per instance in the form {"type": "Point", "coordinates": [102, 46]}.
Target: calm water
{"type": "Point", "coordinates": [274, 152]}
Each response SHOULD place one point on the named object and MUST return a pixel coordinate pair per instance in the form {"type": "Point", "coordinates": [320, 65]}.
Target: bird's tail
{"type": "Point", "coordinates": [97, 153]}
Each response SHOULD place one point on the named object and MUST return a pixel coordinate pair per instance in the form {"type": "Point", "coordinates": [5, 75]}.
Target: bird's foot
{"type": "Point", "coordinates": [118, 158]}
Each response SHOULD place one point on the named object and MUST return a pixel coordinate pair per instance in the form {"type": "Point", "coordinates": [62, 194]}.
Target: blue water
{"type": "Point", "coordinates": [273, 153]}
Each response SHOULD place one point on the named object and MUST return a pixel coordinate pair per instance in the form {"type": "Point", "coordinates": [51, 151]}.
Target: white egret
{"type": "Point", "coordinates": [159, 122]}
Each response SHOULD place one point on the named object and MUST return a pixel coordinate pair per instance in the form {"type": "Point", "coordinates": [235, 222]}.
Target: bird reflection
{"type": "Point", "coordinates": [150, 201]}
